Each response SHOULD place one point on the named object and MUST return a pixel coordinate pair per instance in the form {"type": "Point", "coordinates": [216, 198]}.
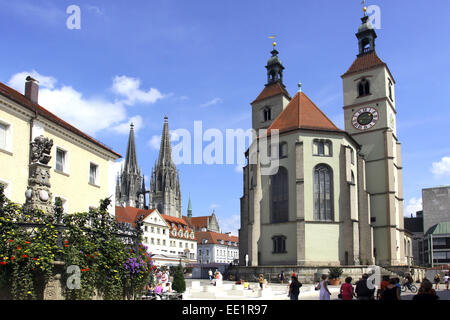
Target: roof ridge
{"type": "Point", "coordinates": [320, 110]}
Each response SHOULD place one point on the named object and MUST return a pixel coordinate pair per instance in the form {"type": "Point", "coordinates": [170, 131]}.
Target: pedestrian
{"type": "Point", "coordinates": [383, 284]}
{"type": "Point", "coordinates": [324, 293]}
{"type": "Point", "coordinates": [210, 275]}
{"type": "Point", "coordinates": [282, 277]}
{"type": "Point", "coordinates": [347, 292]}
{"type": "Point", "coordinates": [362, 290]}
{"type": "Point", "coordinates": [446, 280]}
{"type": "Point", "coordinates": [261, 281]}
{"type": "Point", "coordinates": [437, 281]}
{"type": "Point", "coordinates": [398, 284]}
{"type": "Point", "coordinates": [294, 288]}
{"type": "Point", "coordinates": [426, 291]}
{"type": "Point", "coordinates": [391, 292]}
{"type": "Point", "coordinates": [293, 274]}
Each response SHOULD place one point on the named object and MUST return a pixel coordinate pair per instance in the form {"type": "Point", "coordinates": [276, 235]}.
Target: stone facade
{"type": "Point", "coordinates": [436, 206]}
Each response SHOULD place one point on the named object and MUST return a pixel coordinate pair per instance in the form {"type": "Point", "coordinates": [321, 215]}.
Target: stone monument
{"type": "Point", "coordinates": [38, 195]}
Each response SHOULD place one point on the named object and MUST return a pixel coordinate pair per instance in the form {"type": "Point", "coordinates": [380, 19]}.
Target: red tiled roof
{"type": "Point", "coordinates": [271, 91]}
{"type": "Point", "coordinates": [177, 221]}
{"type": "Point", "coordinates": [19, 98]}
{"type": "Point", "coordinates": [302, 113]}
{"type": "Point", "coordinates": [197, 222]}
{"type": "Point", "coordinates": [214, 237]}
{"type": "Point", "coordinates": [364, 62]}
{"type": "Point", "coordinates": [130, 214]}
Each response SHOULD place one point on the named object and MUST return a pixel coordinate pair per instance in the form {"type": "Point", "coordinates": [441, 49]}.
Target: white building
{"type": "Point", "coordinates": [168, 239]}
{"type": "Point", "coordinates": [214, 247]}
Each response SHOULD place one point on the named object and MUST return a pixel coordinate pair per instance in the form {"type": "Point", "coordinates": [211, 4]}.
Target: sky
{"type": "Point", "coordinates": [203, 60]}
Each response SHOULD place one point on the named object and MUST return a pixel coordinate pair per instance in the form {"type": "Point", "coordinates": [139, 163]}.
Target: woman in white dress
{"type": "Point", "coordinates": [323, 286]}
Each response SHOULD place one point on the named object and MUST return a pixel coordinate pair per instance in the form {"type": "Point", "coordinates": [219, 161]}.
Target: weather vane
{"type": "Point", "coordinates": [274, 43]}
{"type": "Point", "coordinates": [363, 2]}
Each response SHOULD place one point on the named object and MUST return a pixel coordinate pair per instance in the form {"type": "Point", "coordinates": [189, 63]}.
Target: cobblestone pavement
{"type": "Point", "coordinates": [307, 294]}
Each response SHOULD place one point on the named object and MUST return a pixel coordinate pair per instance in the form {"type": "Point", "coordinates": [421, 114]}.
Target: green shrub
{"type": "Point", "coordinates": [179, 284]}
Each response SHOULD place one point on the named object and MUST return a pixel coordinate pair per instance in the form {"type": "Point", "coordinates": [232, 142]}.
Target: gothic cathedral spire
{"type": "Point", "coordinates": [130, 185]}
{"type": "Point", "coordinates": [165, 194]}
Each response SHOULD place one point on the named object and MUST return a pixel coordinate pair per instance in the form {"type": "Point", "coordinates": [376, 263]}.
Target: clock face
{"type": "Point", "coordinates": [365, 118]}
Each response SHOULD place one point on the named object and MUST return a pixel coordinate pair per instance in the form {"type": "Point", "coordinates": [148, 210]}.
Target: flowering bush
{"type": "Point", "coordinates": [108, 266]}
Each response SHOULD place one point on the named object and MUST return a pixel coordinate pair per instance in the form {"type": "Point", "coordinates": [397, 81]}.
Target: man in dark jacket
{"type": "Point", "coordinates": [362, 290]}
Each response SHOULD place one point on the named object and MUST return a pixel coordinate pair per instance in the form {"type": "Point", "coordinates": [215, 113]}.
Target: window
{"type": "Point", "coordinates": [181, 244]}
{"type": "Point", "coordinates": [322, 148]}
{"type": "Point", "coordinates": [323, 193]}
{"type": "Point", "coordinates": [390, 89]}
{"type": "Point", "coordinates": [152, 229]}
{"type": "Point", "coordinates": [283, 150]}
{"type": "Point", "coordinates": [93, 173]}
{"type": "Point", "coordinates": [164, 231]}
{"type": "Point", "coordinates": [352, 156]}
{"type": "Point", "coordinates": [158, 242]}
{"type": "Point", "coordinates": [363, 88]}
{"type": "Point", "coordinates": [279, 244]}
{"type": "Point", "coordinates": [3, 136]}
{"type": "Point", "coordinates": [267, 114]}
{"type": "Point", "coordinates": [61, 157]}
{"type": "Point", "coordinates": [153, 240]}
{"type": "Point", "coordinates": [279, 192]}
{"type": "Point", "coordinates": [164, 242]}
{"type": "Point", "coordinates": [146, 228]}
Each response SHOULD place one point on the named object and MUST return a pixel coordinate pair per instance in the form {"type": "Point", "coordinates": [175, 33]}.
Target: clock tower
{"type": "Point", "coordinates": [370, 118]}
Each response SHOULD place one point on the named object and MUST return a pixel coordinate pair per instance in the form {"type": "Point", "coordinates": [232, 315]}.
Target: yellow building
{"type": "Point", "coordinates": [82, 169]}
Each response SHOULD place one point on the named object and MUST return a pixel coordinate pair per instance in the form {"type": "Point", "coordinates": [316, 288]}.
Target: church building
{"type": "Point", "coordinates": [336, 196]}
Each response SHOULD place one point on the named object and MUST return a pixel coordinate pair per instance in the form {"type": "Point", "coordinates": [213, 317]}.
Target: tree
{"type": "Point", "coordinates": [179, 284]}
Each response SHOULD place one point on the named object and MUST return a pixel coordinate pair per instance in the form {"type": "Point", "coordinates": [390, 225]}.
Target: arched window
{"type": "Point", "coordinates": [267, 114]}
{"type": "Point", "coordinates": [322, 148]}
{"type": "Point", "coordinates": [323, 193]}
{"type": "Point", "coordinates": [279, 192]}
{"type": "Point", "coordinates": [160, 182]}
{"type": "Point", "coordinates": [279, 244]}
{"type": "Point", "coordinates": [363, 87]}
{"type": "Point", "coordinates": [390, 90]}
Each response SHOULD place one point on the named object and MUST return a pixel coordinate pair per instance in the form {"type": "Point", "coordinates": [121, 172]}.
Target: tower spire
{"type": "Point", "coordinates": [189, 209]}
{"type": "Point", "coordinates": [131, 158]}
{"type": "Point", "coordinates": [165, 150]}
{"type": "Point", "coordinates": [274, 67]}
{"type": "Point", "coordinates": [366, 35]}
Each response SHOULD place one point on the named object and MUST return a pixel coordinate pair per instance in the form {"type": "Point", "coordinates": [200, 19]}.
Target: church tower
{"type": "Point", "coordinates": [273, 98]}
{"type": "Point", "coordinates": [130, 185]}
{"type": "Point", "coordinates": [370, 118]}
{"type": "Point", "coordinates": [165, 194]}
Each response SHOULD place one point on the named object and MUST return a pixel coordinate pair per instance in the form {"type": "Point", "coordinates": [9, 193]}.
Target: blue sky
{"type": "Point", "coordinates": [204, 60]}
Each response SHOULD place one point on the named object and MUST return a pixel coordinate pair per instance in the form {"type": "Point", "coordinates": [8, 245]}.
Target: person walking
{"type": "Point", "coordinates": [294, 288]}
{"type": "Point", "coordinates": [426, 291]}
{"type": "Point", "coordinates": [383, 284]}
{"type": "Point", "coordinates": [210, 275]}
{"type": "Point", "coordinates": [282, 277]}
{"type": "Point", "coordinates": [437, 281]}
{"type": "Point", "coordinates": [347, 292]}
{"type": "Point", "coordinates": [324, 293]}
{"type": "Point", "coordinates": [446, 280]}
{"type": "Point", "coordinates": [362, 290]}
{"type": "Point", "coordinates": [391, 292]}
{"type": "Point", "coordinates": [261, 281]}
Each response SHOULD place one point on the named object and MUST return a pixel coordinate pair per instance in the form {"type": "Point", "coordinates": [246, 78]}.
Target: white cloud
{"type": "Point", "coordinates": [231, 224]}
{"type": "Point", "coordinates": [442, 167]}
{"type": "Point", "coordinates": [90, 115]}
{"type": "Point", "coordinates": [17, 81]}
{"type": "Point", "coordinates": [414, 205]}
{"type": "Point", "coordinates": [214, 206]}
{"type": "Point", "coordinates": [124, 128]}
{"type": "Point", "coordinates": [130, 89]}
{"type": "Point", "coordinates": [212, 102]}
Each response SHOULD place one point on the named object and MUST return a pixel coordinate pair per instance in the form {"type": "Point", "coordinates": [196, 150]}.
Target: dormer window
{"type": "Point", "coordinates": [363, 88]}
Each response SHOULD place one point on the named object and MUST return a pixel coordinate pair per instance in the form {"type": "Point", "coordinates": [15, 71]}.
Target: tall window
{"type": "Point", "coordinates": [283, 150]}
{"type": "Point", "coordinates": [363, 88]}
{"type": "Point", "coordinates": [280, 196]}
{"type": "Point", "coordinates": [267, 114]}
{"type": "Point", "coordinates": [93, 170]}
{"type": "Point", "coordinates": [279, 244]}
{"type": "Point", "coordinates": [61, 160]}
{"type": "Point", "coordinates": [323, 193]}
{"type": "Point", "coordinates": [390, 90]}
{"type": "Point", "coordinates": [3, 132]}
{"type": "Point", "coordinates": [322, 148]}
